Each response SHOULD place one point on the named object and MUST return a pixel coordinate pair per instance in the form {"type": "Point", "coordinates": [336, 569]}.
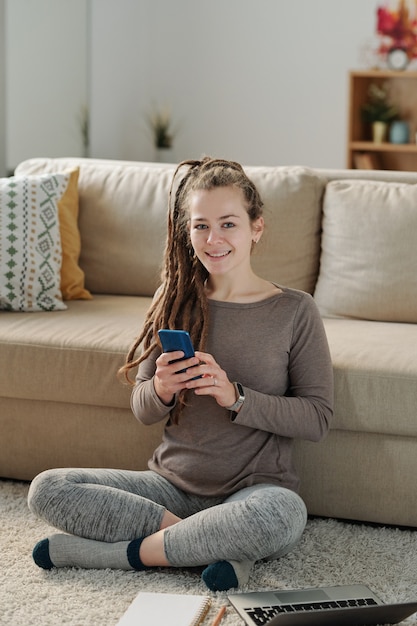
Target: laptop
{"type": "Point", "coordinates": [350, 605]}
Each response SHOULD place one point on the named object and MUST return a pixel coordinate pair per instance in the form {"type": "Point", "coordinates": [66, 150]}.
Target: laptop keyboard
{"type": "Point", "coordinates": [262, 615]}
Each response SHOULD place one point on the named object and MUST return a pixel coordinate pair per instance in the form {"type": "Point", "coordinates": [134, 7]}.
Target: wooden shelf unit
{"type": "Point", "coordinates": [403, 93]}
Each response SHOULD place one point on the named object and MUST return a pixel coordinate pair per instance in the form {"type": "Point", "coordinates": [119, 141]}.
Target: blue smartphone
{"type": "Point", "coordinates": [172, 340]}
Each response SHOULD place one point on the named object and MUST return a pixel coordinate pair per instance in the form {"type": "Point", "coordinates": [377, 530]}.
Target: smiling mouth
{"type": "Point", "coordinates": [219, 255]}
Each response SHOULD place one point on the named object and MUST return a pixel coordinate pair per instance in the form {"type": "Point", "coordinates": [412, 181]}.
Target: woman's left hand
{"type": "Point", "coordinates": [213, 382]}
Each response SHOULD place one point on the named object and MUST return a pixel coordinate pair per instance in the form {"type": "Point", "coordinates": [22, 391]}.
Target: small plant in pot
{"type": "Point", "coordinates": [163, 134]}
{"type": "Point", "coordinates": [160, 122]}
{"type": "Point", "coordinates": [378, 111]}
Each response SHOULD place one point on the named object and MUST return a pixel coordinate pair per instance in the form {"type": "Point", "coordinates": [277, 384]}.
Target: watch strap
{"type": "Point", "coordinates": [240, 398]}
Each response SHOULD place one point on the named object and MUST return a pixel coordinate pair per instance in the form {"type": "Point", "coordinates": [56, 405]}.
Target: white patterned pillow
{"type": "Point", "coordinates": [30, 242]}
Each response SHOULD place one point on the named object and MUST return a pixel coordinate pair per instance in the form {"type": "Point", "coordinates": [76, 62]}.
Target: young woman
{"type": "Point", "coordinates": [221, 489]}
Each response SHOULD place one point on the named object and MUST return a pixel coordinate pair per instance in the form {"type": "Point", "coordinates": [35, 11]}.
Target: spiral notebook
{"type": "Point", "coordinates": [160, 609]}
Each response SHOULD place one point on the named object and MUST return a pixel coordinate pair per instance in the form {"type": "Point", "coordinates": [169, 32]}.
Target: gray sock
{"type": "Point", "coordinates": [62, 550]}
{"type": "Point", "coordinates": [242, 570]}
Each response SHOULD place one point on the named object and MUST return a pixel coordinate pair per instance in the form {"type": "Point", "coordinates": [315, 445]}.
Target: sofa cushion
{"type": "Point", "coordinates": [72, 276]}
{"type": "Point", "coordinates": [369, 251]}
{"type": "Point", "coordinates": [30, 242]}
{"type": "Point", "coordinates": [123, 224]}
{"type": "Point", "coordinates": [289, 251]}
{"type": "Point", "coordinates": [375, 376]}
{"type": "Point", "coordinates": [71, 356]}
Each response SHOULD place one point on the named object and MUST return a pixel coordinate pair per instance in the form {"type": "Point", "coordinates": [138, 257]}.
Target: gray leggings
{"type": "Point", "coordinates": [263, 521]}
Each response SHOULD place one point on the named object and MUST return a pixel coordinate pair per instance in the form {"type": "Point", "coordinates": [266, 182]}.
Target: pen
{"type": "Point", "coordinates": [219, 616]}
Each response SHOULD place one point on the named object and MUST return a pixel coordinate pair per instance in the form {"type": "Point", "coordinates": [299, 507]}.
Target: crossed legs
{"type": "Point", "coordinates": [111, 515]}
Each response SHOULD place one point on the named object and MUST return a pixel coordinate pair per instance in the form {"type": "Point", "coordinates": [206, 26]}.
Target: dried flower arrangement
{"type": "Point", "coordinates": [397, 29]}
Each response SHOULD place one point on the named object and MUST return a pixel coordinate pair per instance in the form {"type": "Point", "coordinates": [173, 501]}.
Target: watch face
{"type": "Point", "coordinates": [397, 59]}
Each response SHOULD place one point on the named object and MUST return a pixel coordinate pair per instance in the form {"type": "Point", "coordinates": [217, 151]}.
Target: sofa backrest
{"type": "Point", "coordinates": [123, 210]}
{"type": "Point", "coordinates": [122, 222]}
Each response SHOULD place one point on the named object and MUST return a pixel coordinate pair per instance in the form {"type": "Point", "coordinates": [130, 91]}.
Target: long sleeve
{"type": "Point", "coordinates": [306, 408]}
{"type": "Point", "coordinates": [145, 403]}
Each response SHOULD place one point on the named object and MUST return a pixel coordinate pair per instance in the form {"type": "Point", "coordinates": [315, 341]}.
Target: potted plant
{"type": "Point", "coordinates": [378, 111]}
{"type": "Point", "coordinates": [161, 126]}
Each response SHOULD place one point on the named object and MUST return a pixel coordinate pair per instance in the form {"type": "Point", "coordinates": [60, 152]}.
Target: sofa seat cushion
{"type": "Point", "coordinates": [70, 356]}
{"type": "Point", "coordinates": [375, 368]}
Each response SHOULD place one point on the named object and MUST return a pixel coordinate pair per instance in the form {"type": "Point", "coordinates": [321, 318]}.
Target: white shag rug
{"type": "Point", "coordinates": [330, 553]}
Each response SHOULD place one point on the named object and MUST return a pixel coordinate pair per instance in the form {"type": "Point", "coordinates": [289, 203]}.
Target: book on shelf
{"type": "Point", "coordinates": [366, 161]}
{"type": "Point", "coordinates": [162, 609]}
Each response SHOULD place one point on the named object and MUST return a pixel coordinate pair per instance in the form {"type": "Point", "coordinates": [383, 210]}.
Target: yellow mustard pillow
{"type": "Point", "coordinates": [72, 276]}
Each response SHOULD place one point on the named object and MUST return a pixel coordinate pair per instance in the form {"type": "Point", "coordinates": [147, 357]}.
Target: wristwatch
{"type": "Point", "coordinates": [240, 398]}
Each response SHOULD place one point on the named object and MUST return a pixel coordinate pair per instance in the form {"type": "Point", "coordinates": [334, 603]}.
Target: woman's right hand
{"type": "Point", "coordinates": [168, 380]}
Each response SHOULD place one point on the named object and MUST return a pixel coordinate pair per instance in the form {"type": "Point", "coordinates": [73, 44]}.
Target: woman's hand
{"type": "Point", "coordinates": [213, 382]}
{"type": "Point", "coordinates": [168, 379]}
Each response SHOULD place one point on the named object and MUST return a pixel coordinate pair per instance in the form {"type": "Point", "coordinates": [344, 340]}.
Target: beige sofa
{"type": "Point", "coordinates": [348, 237]}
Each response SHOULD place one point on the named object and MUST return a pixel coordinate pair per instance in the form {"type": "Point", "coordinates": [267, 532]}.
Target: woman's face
{"type": "Point", "coordinates": [220, 230]}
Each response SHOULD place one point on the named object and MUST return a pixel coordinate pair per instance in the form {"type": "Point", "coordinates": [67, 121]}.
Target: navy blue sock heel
{"type": "Point", "coordinates": [41, 556]}
{"type": "Point", "coordinates": [220, 576]}
{"type": "Point", "coordinates": [133, 555]}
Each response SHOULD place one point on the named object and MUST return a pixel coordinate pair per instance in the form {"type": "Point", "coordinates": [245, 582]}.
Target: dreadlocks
{"type": "Point", "coordinates": [181, 301]}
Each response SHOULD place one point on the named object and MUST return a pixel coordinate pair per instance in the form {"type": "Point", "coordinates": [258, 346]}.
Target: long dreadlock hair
{"type": "Point", "coordinates": [181, 301]}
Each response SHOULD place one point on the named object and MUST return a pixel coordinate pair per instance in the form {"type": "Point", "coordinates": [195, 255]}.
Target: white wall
{"type": "Point", "coordinates": [46, 77]}
{"type": "Point", "coordinates": [259, 81]}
